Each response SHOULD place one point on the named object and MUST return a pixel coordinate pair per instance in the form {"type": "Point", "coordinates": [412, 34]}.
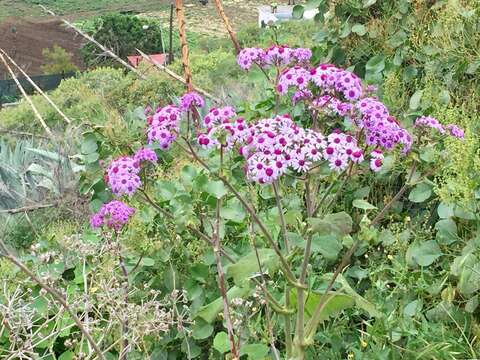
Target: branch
{"type": "Point", "coordinates": [228, 26]}
{"type": "Point", "coordinates": [27, 208]}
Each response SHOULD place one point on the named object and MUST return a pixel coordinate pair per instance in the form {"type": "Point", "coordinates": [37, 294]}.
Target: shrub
{"type": "Point", "coordinates": [57, 61]}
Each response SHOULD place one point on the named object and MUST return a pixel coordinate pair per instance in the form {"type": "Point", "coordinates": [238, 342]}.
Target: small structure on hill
{"type": "Point", "coordinates": [272, 14]}
{"type": "Point", "coordinates": [160, 59]}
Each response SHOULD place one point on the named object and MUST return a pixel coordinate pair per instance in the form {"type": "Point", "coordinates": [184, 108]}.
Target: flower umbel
{"type": "Point", "coordinates": [113, 215]}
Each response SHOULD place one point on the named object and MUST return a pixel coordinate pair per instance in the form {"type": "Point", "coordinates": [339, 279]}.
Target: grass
{"type": "Point", "coordinates": [75, 8]}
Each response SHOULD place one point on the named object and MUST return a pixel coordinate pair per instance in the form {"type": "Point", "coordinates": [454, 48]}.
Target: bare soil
{"type": "Point", "coordinates": [24, 40]}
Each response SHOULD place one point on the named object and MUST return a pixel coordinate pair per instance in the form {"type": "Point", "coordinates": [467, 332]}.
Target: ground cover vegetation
{"type": "Point", "coordinates": [344, 158]}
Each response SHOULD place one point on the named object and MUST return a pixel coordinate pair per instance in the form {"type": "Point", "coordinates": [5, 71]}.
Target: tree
{"type": "Point", "coordinates": [57, 61]}
{"type": "Point", "coordinates": [123, 34]}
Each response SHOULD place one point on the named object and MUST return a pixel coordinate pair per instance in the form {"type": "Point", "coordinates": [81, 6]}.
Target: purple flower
{"type": "Point", "coordinates": [428, 121]}
{"type": "Point", "coordinates": [455, 131]}
{"type": "Point", "coordinates": [248, 56]}
{"type": "Point", "coordinates": [122, 176]}
{"type": "Point", "coordinates": [164, 126]}
{"type": "Point", "coordinates": [145, 154]}
{"type": "Point", "coordinates": [191, 100]}
{"type": "Point", "coordinates": [113, 215]}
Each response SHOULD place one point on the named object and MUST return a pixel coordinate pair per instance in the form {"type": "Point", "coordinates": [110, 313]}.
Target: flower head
{"type": "Point", "coordinates": [145, 154]}
{"type": "Point", "coordinates": [122, 176]}
{"type": "Point", "coordinates": [455, 131]}
{"type": "Point", "coordinates": [113, 215]}
{"type": "Point", "coordinates": [191, 100]}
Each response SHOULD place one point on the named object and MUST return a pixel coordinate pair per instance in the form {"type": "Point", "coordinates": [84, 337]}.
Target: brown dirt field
{"type": "Point", "coordinates": [24, 41]}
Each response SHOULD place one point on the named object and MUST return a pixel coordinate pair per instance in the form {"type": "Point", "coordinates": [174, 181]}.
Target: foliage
{"type": "Point", "coordinates": [411, 289]}
{"type": "Point", "coordinates": [57, 61]}
{"type": "Point", "coordinates": [123, 34]}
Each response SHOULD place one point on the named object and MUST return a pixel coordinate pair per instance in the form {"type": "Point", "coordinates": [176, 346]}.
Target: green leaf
{"type": "Point", "coordinates": [398, 39]}
{"type": "Point", "coordinates": [446, 231]}
{"type": "Point", "coordinates": [360, 302]}
{"type": "Point", "coordinates": [423, 253]}
{"type": "Point", "coordinates": [233, 211]}
{"type": "Point", "coordinates": [415, 100]}
{"type": "Point", "coordinates": [445, 211]}
{"type": "Point", "coordinates": [247, 266]}
{"type": "Point", "coordinates": [359, 29]}
{"type": "Point", "coordinates": [221, 343]}
{"type": "Point", "coordinates": [328, 245]}
{"type": "Point", "coordinates": [335, 303]}
{"type": "Point", "coordinates": [376, 64]}
{"type": "Point", "coordinates": [467, 268]}
{"type": "Point", "coordinates": [67, 355]}
{"type": "Point", "coordinates": [338, 223]}
{"type": "Point", "coordinates": [254, 351]}
{"type": "Point", "coordinates": [216, 189]}
{"type": "Point", "coordinates": [298, 11]}
{"type": "Point", "coordinates": [89, 144]}
{"type": "Point", "coordinates": [471, 304]}
{"type": "Point", "coordinates": [166, 189]}
{"type": "Point", "coordinates": [210, 311]}
{"type": "Point", "coordinates": [420, 193]}
{"type": "Point", "coordinates": [146, 261]}
{"type": "Point", "coordinates": [362, 204]}
{"type": "Point", "coordinates": [413, 308]}
{"type": "Point", "coordinates": [201, 329]}
{"type": "Point", "coordinates": [313, 4]}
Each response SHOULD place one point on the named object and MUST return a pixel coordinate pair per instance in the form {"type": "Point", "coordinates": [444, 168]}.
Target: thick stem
{"type": "Point", "coordinates": [282, 216]}
{"type": "Point", "coordinates": [221, 274]}
{"type": "Point", "coordinates": [265, 293]}
{"type": "Point", "coordinates": [55, 294]}
{"type": "Point", "coordinates": [287, 317]}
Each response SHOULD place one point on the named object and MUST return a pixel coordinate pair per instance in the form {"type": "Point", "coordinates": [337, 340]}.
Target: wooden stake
{"type": "Point", "coordinates": [184, 44]}
{"type": "Point", "coordinates": [228, 26]}
{"type": "Point", "coordinates": [40, 91]}
{"type": "Point", "coordinates": [27, 98]}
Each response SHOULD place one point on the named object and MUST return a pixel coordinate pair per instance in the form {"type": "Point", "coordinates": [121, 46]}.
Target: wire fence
{"type": "Point", "coordinates": [9, 89]}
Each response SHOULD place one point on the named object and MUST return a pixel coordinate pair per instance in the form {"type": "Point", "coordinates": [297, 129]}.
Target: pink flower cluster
{"type": "Point", "coordinates": [219, 115]}
{"type": "Point", "coordinates": [275, 55]}
{"type": "Point", "coordinates": [164, 125]}
{"type": "Point", "coordinates": [379, 127]}
{"type": "Point", "coordinates": [331, 80]}
{"type": "Point", "coordinates": [191, 100]}
{"type": "Point", "coordinates": [328, 78]}
{"type": "Point", "coordinates": [122, 173]}
{"type": "Point", "coordinates": [341, 150]}
{"type": "Point", "coordinates": [271, 146]}
{"type": "Point", "coordinates": [430, 122]}
{"type": "Point", "coordinates": [113, 215]}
